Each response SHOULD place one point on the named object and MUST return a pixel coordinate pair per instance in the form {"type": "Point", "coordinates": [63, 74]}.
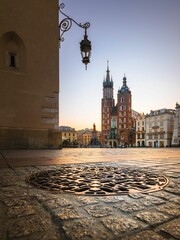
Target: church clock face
{"type": "Point", "coordinates": [114, 122]}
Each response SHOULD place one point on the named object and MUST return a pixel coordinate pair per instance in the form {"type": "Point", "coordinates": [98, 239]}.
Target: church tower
{"type": "Point", "coordinates": [107, 105]}
{"type": "Point", "coordinates": [124, 110]}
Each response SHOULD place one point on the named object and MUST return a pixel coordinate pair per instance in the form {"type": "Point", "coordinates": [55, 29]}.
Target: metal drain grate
{"type": "Point", "coordinates": [98, 180]}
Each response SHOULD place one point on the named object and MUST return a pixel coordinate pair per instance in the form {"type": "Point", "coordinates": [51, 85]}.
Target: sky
{"type": "Point", "coordinates": [139, 38]}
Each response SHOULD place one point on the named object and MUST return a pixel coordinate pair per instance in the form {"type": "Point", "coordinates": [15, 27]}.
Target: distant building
{"type": "Point", "coordinates": [176, 131]}
{"type": "Point", "coordinates": [68, 133]}
{"type": "Point", "coordinates": [85, 136]}
{"type": "Point", "coordinates": [140, 130]}
{"type": "Point", "coordinates": [116, 120]}
{"type": "Point", "coordinates": [80, 133]}
{"type": "Point", "coordinates": [159, 128]}
{"type": "Point", "coordinates": [29, 74]}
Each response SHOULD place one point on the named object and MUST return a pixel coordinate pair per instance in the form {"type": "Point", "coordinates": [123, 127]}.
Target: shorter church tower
{"type": "Point", "coordinates": [124, 111]}
{"type": "Point", "coordinates": [107, 105]}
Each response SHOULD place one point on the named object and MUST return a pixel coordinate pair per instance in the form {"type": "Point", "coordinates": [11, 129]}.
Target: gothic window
{"type": "Point", "coordinates": [113, 122]}
{"type": "Point", "coordinates": [122, 99]}
{"type": "Point", "coordinates": [13, 52]}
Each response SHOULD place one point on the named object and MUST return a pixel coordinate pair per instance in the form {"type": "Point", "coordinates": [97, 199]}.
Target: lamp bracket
{"type": "Point", "coordinates": [66, 23]}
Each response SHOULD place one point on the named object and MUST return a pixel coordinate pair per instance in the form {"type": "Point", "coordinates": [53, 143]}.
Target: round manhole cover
{"type": "Point", "coordinates": [98, 180]}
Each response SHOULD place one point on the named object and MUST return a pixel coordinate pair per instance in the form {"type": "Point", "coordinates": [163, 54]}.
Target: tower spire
{"type": "Point", "coordinates": [107, 65]}
{"type": "Point", "coordinates": [107, 72]}
{"type": "Point", "coordinates": [124, 80]}
{"type": "Point", "coordinates": [124, 87]}
{"type": "Point", "coordinates": [108, 82]}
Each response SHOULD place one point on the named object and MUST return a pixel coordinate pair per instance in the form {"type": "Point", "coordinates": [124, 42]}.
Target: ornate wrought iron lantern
{"type": "Point", "coordinates": [85, 44]}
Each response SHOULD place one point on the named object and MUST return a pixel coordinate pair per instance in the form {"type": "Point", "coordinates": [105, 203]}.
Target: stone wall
{"type": "Point", "coordinates": [29, 139]}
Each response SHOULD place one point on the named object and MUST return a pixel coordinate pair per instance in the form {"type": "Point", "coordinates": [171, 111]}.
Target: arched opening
{"type": "Point", "coordinates": [115, 144]}
{"type": "Point", "coordinates": [13, 52]}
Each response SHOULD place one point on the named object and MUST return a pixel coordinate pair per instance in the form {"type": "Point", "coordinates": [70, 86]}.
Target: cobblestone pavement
{"type": "Point", "coordinates": [29, 213]}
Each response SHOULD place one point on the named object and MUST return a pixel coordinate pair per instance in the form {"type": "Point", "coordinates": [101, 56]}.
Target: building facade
{"type": "Point", "coordinates": [176, 131]}
{"type": "Point", "coordinates": [29, 73]}
{"type": "Point", "coordinates": [68, 133]}
{"type": "Point", "coordinates": [159, 128]}
{"type": "Point", "coordinates": [116, 120]}
{"type": "Point", "coordinates": [85, 136]}
{"type": "Point", "coordinates": [140, 130]}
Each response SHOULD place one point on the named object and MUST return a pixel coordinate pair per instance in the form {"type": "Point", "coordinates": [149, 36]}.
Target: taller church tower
{"type": "Point", "coordinates": [107, 105]}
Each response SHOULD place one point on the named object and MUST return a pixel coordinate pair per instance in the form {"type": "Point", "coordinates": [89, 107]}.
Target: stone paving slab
{"type": "Point", "coordinates": [28, 213]}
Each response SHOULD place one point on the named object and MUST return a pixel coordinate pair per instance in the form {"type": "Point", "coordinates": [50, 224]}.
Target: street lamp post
{"type": "Point", "coordinates": [85, 44]}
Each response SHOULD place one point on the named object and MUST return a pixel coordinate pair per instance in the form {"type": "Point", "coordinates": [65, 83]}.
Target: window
{"type": "Point", "coordinates": [113, 122]}
{"type": "Point", "coordinates": [161, 135]}
{"type": "Point", "coordinates": [122, 99]}
{"type": "Point", "coordinates": [12, 59]}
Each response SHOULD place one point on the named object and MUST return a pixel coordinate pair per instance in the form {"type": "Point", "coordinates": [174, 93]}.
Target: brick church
{"type": "Point", "coordinates": [117, 124]}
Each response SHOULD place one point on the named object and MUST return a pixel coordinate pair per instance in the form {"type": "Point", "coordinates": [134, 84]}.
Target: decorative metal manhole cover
{"type": "Point", "coordinates": [98, 180]}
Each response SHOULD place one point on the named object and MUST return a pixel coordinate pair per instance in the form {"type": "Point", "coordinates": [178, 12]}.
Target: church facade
{"type": "Point", "coordinates": [116, 119]}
